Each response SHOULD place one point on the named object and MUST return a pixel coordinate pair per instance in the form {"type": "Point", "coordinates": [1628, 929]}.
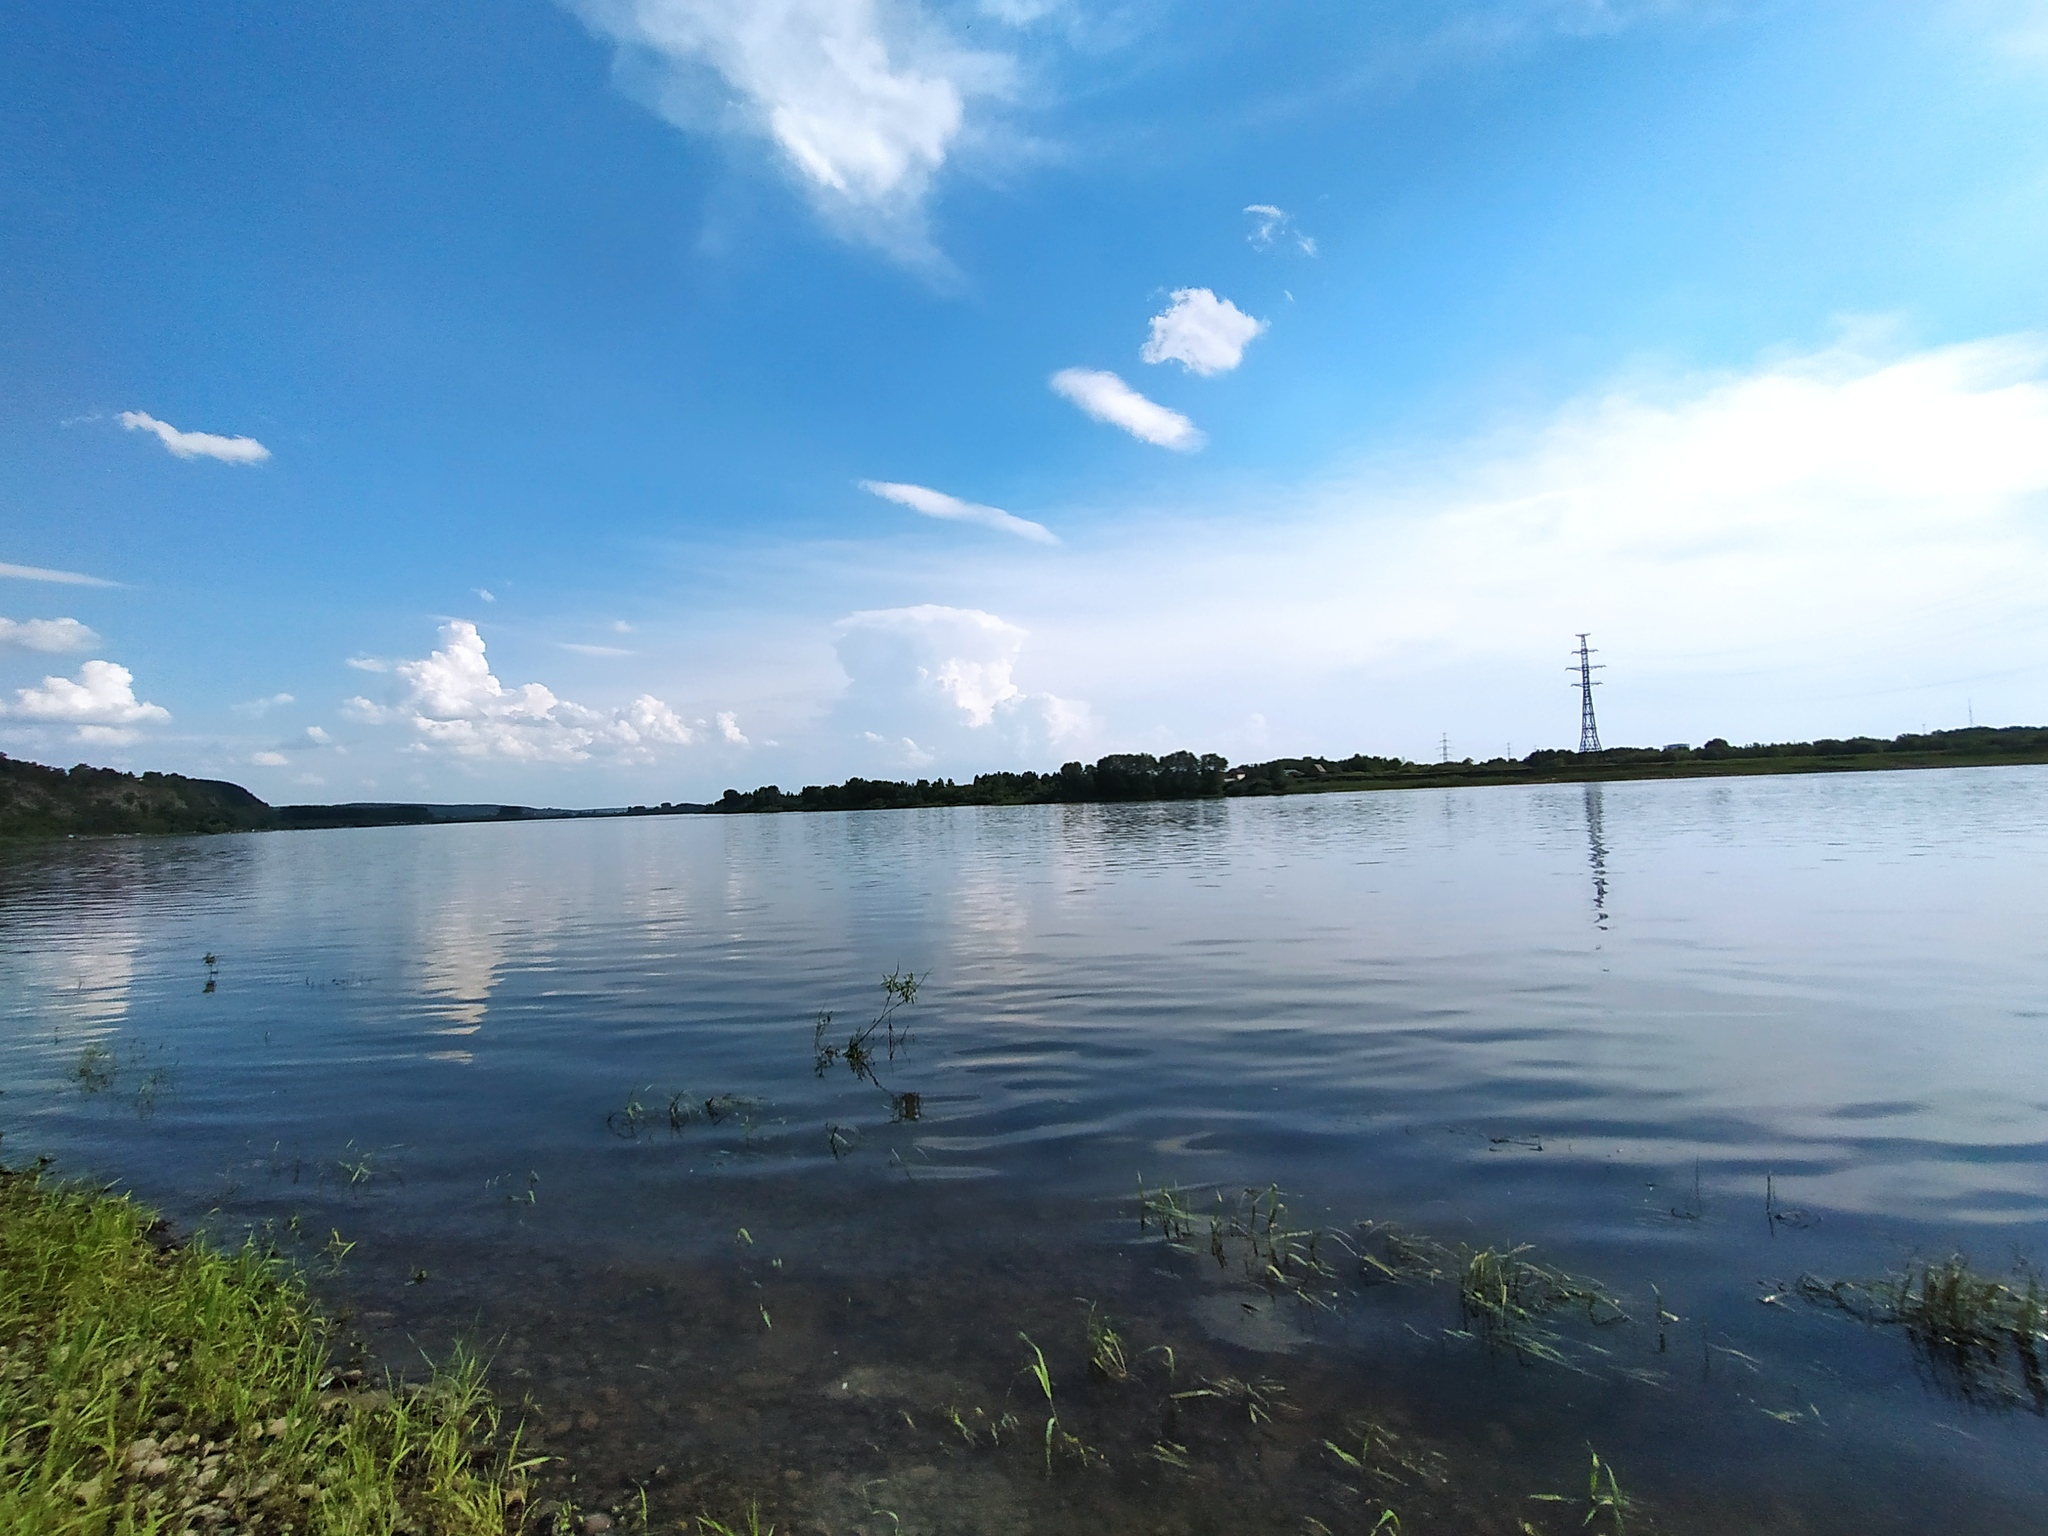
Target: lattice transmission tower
{"type": "Point", "coordinates": [1584, 664]}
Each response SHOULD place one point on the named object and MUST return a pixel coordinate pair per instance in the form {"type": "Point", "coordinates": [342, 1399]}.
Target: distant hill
{"type": "Point", "coordinates": [40, 802]}
{"type": "Point", "coordinates": [57, 802]}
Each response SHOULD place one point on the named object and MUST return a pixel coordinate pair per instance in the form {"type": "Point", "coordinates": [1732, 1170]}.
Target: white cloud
{"type": "Point", "coordinates": [1108, 398]}
{"type": "Point", "coordinates": [67, 578]}
{"type": "Point", "coordinates": [1275, 227]}
{"type": "Point", "coordinates": [944, 675]}
{"type": "Point", "coordinates": [270, 760]}
{"type": "Point", "coordinates": [864, 99]}
{"type": "Point", "coordinates": [594, 650]}
{"type": "Point", "coordinates": [318, 736]}
{"type": "Point", "coordinates": [729, 728]}
{"type": "Point", "coordinates": [485, 593]}
{"type": "Point", "coordinates": [101, 699]}
{"type": "Point", "coordinates": [197, 445]}
{"type": "Point", "coordinates": [1201, 332]}
{"type": "Point", "coordinates": [368, 664]}
{"type": "Point", "coordinates": [938, 504]}
{"type": "Point", "coordinates": [256, 709]}
{"type": "Point", "coordinates": [51, 635]}
{"type": "Point", "coordinates": [1780, 552]}
{"type": "Point", "coordinates": [453, 703]}
{"type": "Point", "coordinates": [621, 627]}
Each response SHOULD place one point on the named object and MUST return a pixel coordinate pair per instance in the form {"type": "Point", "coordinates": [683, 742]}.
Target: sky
{"type": "Point", "coordinates": [614, 401]}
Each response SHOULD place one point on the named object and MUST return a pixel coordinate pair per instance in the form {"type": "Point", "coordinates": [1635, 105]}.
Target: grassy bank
{"type": "Point", "coordinates": [152, 1387]}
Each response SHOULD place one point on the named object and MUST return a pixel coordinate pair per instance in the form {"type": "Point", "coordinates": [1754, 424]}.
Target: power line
{"type": "Point", "coordinates": [1586, 666]}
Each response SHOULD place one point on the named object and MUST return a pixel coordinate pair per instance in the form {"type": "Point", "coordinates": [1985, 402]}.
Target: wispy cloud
{"type": "Point", "coordinates": [1273, 228]}
{"type": "Point", "coordinates": [1201, 332]}
{"type": "Point", "coordinates": [53, 635]}
{"type": "Point", "coordinates": [1108, 398]}
{"type": "Point", "coordinates": [864, 101]}
{"type": "Point", "coordinates": [256, 709]}
{"type": "Point", "coordinates": [951, 508]}
{"type": "Point", "coordinates": [452, 702]}
{"type": "Point", "coordinates": [67, 578]}
{"type": "Point", "coordinates": [594, 650]}
{"type": "Point", "coordinates": [196, 445]}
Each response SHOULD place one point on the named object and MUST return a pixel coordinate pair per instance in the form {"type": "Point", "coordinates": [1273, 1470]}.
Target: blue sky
{"type": "Point", "coordinates": [621, 399]}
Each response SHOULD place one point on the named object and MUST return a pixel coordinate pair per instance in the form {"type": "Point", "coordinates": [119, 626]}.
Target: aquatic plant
{"type": "Point", "coordinates": [1247, 1231]}
{"type": "Point", "coordinates": [1106, 1357]}
{"type": "Point", "coordinates": [1387, 1459]}
{"type": "Point", "coordinates": [1259, 1399]}
{"type": "Point", "coordinates": [899, 991]}
{"type": "Point", "coordinates": [751, 1527]}
{"type": "Point", "coordinates": [1985, 1337]}
{"type": "Point", "coordinates": [1057, 1440]}
{"type": "Point", "coordinates": [1165, 1209]}
{"type": "Point", "coordinates": [1604, 1501]}
{"type": "Point", "coordinates": [1504, 1296]}
{"type": "Point", "coordinates": [95, 1070]}
{"type": "Point", "coordinates": [1505, 1293]}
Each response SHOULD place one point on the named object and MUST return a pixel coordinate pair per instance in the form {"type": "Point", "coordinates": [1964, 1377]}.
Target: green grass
{"type": "Point", "coordinates": [194, 1388]}
{"type": "Point", "coordinates": [1986, 1336]}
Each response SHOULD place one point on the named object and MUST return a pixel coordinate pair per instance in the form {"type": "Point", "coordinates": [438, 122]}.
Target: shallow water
{"type": "Point", "coordinates": [1705, 1036]}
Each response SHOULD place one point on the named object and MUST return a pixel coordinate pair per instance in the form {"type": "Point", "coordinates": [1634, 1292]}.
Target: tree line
{"type": "Point", "coordinates": [1120, 776]}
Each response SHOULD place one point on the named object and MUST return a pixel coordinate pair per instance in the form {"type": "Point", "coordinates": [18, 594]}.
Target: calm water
{"type": "Point", "coordinates": [1609, 1022]}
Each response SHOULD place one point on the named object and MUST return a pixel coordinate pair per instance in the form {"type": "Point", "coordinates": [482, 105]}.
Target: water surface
{"type": "Point", "coordinates": [1611, 1022]}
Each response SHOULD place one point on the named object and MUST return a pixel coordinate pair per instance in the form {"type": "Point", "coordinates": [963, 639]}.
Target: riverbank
{"type": "Point", "coordinates": [148, 1385]}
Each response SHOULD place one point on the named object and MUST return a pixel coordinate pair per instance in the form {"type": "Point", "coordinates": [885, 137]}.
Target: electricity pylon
{"type": "Point", "coordinates": [1586, 666]}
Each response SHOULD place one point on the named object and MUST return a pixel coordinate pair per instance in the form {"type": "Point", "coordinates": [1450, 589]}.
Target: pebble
{"type": "Point", "coordinates": [594, 1524]}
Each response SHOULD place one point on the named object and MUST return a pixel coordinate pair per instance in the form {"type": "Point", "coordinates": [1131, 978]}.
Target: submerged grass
{"type": "Point", "coordinates": [1504, 1296]}
{"type": "Point", "coordinates": [1986, 1336]}
{"type": "Point", "coordinates": [166, 1389]}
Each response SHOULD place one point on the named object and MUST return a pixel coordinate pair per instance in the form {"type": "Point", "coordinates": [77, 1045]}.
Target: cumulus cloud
{"type": "Point", "coordinates": [196, 445]}
{"type": "Point", "coordinates": [100, 702]}
{"type": "Point", "coordinates": [729, 728]}
{"type": "Point", "coordinates": [53, 635]}
{"type": "Point", "coordinates": [67, 578]}
{"type": "Point", "coordinates": [938, 504]}
{"type": "Point", "coordinates": [1201, 332]}
{"type": "Point", "coordinates": [1108, 398]}
{"type": "Point", "coordinates": [942, 676]}
{"type": "Point", "coordinates": [453, 703]}
{"type": "Point", "coordinates": [1274, 228]}
{"type": "Point", "coordinates": [269, 760]}
{"type": "Point", "coordinates": [864, 99]}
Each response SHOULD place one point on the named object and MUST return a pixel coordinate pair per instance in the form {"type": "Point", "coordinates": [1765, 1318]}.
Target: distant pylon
{"type": "Point", "coordinates": [1586, 666]}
